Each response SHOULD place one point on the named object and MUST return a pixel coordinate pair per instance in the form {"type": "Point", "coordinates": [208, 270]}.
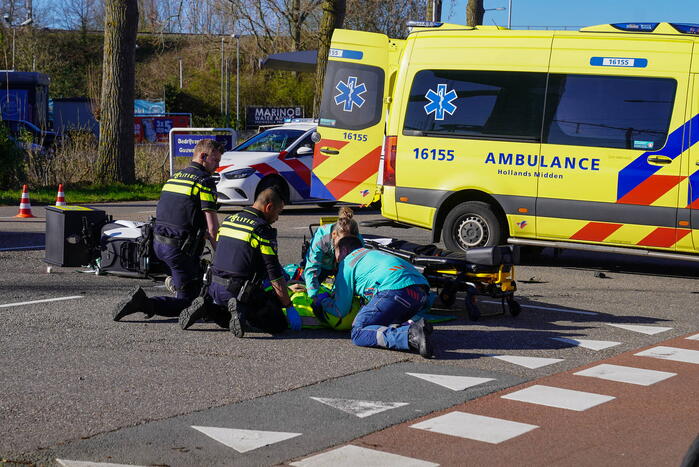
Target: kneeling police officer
{"type": "Point", "coordinates": [245, 256]}
{"type": "Point", "coordinates": [185, 218]}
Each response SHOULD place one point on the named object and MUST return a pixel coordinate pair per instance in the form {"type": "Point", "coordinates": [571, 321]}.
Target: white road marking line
{"type": "Point", "coordinates": [359, 408]}
{"type": "Point", "coordinates": [41, 301]}
{"type": "Point", "coordinates": [455, 383]}
{"type": "Point", "coordinates": [28, 247]}
{"type": "Point", "coordinates": [626, 374]}
{"type": "Point", "coordinates": [671, 353]}
{"type": "Point", "coordinates": [244, 440]}
{"type": "Point", "coordinates": [528, 362]}
{"type": "Point", "coordinates": [650, 330]}
{"type": "Point", "coordinates": [695, 337]}
{"type": "Point", "coordinates": [587, 343]}
{"type": "Point", "coordinates": [477, 427]}
{"type": "Point", "coordinates": [524, 305]}
{"type": "Point", "coordinates": [558, 397]}
{"type": "Point", "coordinates": [70, 463]}
{"type": "Point", "coordinates": [144, 212]}
{"type": "Point", "coordinates": [352, 456]}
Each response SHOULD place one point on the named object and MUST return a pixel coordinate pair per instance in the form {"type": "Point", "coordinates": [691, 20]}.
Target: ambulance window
{"type": "Point", "coordinates": [608, 111]}
{"type": "Point", "coordinates": [352, 96]}
{"type": "Point", "coordinates": [476, 104]}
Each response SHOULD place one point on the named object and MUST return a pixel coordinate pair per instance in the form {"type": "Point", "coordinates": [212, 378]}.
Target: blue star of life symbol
{"type": "Point", "coordinates": [350, 94]}
{"type": "Point", "coordinates": [440, 102]}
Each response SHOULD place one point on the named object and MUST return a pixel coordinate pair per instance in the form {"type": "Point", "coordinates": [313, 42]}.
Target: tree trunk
{"type": "Point", "coordinates": [115, 161]}
{"type": "Point", "coordinates": [333, 17]}
{"type": "Point", "coordinates": [474, 13]}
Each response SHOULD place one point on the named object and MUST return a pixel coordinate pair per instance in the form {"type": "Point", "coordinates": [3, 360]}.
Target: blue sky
{"type": "Point", "coordinates": [577, 12]}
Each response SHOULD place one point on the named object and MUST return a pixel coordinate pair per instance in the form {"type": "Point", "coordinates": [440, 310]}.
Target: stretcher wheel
{"type": "Point", "coordinates": [447, 297]}
{"type": "Point", "coordinates": [471, 308]}
{"type": "Point", "coordinates": [515, 308]}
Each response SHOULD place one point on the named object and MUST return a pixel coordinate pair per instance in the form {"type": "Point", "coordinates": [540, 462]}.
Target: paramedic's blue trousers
{"type": "Point", "coordinates": [383, 321]}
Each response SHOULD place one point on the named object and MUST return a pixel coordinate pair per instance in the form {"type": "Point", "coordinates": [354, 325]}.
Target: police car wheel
{"type": "Point", "coordinates": [470, 225]}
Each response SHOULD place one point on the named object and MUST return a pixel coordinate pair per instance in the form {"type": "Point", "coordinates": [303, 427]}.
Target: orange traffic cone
{"type": "Point", "coordinates": [60, 196]}
{"type": "Point", "coordinates": [25, 208]}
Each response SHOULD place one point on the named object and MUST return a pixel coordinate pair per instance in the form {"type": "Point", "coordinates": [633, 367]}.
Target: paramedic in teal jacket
{"type": "Point", "coordinates": [395, 292]}
{"type": "Point", "coordinates": [320, 259]}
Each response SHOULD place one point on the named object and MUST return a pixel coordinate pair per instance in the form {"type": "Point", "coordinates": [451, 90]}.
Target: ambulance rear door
{"type": "Point", "coordinates": [352, 116]}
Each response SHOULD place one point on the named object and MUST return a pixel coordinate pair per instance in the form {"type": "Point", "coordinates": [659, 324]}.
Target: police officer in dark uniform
{"type": "Point", "coordinates": [185, 217]}
{"type": "Point", "coordinates": [247, 255]}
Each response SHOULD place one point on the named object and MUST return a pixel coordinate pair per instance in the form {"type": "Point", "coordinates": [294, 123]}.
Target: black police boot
{"type": "Point", "coordinates": [193, 313]}
{"type": "Point", "coordinates": [135, 302]}
{"type": "Point", "coordinates": [419, 341]}
{"type": "Point", "coordinates": [237, 323]}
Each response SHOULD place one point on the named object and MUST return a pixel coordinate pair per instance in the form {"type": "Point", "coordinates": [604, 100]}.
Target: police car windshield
{"type": "Point", "coordinates": [275, 140]}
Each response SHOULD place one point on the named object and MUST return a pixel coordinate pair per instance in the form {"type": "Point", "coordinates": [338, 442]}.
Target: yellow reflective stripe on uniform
{"type": "Point", "coordinates": [206, 196]}
{"type": "Point", "coordinates": [174, 188]}
{"type": "Point", "coordinates": [232, 233]}
{"type": "Point", "coordinates": [265, 245]}
{"type": "Point", "coordinates": [267, 250]}
{"type": "Point", "coordinates": [262, 240]}
{"type": "Point", "coordinates": [237, 226]}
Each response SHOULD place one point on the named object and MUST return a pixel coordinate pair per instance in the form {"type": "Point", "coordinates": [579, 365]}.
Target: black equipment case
{"type": "Point", "coordinates": [72, 234]}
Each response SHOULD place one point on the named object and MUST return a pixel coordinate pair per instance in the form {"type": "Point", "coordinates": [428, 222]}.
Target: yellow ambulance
{"type": "Point", "coordinates": [568, 139]}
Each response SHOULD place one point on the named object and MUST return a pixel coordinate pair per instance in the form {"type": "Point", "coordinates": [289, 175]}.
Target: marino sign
{"type": "Point", "coordinates": [263, 115]}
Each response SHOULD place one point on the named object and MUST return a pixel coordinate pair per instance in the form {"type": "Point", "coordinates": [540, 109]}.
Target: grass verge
{"type": "Point", "coordinates": [84, 194]}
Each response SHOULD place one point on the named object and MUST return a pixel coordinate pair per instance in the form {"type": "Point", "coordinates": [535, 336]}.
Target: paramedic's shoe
{"type": "Point", "coordinates": [135, 302]}
{"type": "Point", "coordinates": [193, 313]}
{"type": "Point", "coordinates": [170, 286]}
{"type": "Point", "coordinates": [425, 325]}
{"type": "Point", "coordinates": [237, 323]}
{"type": "Point", "coordinates": [419, 341]}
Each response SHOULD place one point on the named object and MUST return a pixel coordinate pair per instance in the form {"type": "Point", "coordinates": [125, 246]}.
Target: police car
{"type": "Point", "coordinates": [281, 156]}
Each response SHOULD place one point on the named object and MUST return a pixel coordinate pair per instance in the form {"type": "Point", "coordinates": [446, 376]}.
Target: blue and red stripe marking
{"type": "Point", "coordinates": [637, 182]}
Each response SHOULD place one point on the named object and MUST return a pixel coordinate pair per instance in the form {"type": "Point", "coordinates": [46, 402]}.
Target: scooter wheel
{"type": "Point", "coordinates": [447, 298]}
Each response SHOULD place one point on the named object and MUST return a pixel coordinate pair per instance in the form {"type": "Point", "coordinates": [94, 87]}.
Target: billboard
{"type": "Point", "coordinates": [154, 129]}
{"type": "Point", "coordinates": [270, 115]}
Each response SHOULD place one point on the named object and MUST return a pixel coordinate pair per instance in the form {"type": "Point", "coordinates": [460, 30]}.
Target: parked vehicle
{"type": "Point", "coordinates": [566, 139]}
{"type": "Point", "coordinates": [281, 156]}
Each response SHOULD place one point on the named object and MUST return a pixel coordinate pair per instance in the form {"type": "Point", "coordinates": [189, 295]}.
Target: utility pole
{"type": "Point", "coordinates": [222, 76]}
{"type": "Point", "coordinates": [180, 73]}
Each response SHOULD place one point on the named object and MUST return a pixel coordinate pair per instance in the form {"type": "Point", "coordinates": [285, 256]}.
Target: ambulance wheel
{"type": "Point", "coordinates": [274, 181]}
{"type": "Point", "coordinates": [470, 225]}
{"type": "Point", "coordinates": [515, 308]}
{"type": "Point", "coordinates": [447, 297]}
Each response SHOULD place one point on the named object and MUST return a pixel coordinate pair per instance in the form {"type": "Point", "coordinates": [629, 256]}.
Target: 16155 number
{"type": "Point", "coordinates": [434, 154]}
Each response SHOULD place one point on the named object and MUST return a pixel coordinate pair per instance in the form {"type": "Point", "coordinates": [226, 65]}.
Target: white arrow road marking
{"type": "Point", "coordinates": [244, 440]}
{"type": "Point", "coordinates": [650, 330]}
{"type": "Point", "coordinates": [626, 374]}
{"type": "Point", "coordinates": [477, 427]}
{"type": "Point", "coordinates": [359, 408]}
{"type": "Point", "coordinates": [69, 463]}
{"type": "Point", "coordinates": [352, 456]}
{"type": "Point", "coordinates": [587, 343]}
{"type": "Point", "coordinates": [41, 301]}
{"type": "Point", "coordinates": [557, 397]}
{"type": "Point", "coordinates": [695, 337]}
{"type": "Point", "coordinates": [455, 383]}
{"type": "Point", "coordinates": [528, 362]}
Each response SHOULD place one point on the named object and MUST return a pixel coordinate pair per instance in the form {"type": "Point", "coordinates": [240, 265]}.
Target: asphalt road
{"type": "Point", "coordinates": [76, 385]}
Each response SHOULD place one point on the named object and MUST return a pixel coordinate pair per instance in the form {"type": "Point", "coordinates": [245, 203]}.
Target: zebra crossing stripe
{"type": "Point", "coordinates": [244, 440]}
{"type": "Point", "coordinates": [671, 353]}
{"type": "Point", "coordinates": [557, 397]}
{"type": "Point", "coordinates": [626, 374]}
{"type": "Point", "coordinates": [476, 427]}
{"type": "Point", "coordinates": [455, 383]}
{"type": "Point", "coordinates": [359, 408]}
{"type": "Point", "coordinates": [587, 343]}
{"type": "Point", "coordinates": [650, 330]}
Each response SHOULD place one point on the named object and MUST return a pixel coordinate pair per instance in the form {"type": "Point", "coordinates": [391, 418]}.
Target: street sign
{"type": "Point", "coordinates": [270, 115]}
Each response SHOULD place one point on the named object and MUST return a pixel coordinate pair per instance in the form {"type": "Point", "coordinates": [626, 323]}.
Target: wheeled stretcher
{"type": "Point", "coordinates": [487, 271]}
